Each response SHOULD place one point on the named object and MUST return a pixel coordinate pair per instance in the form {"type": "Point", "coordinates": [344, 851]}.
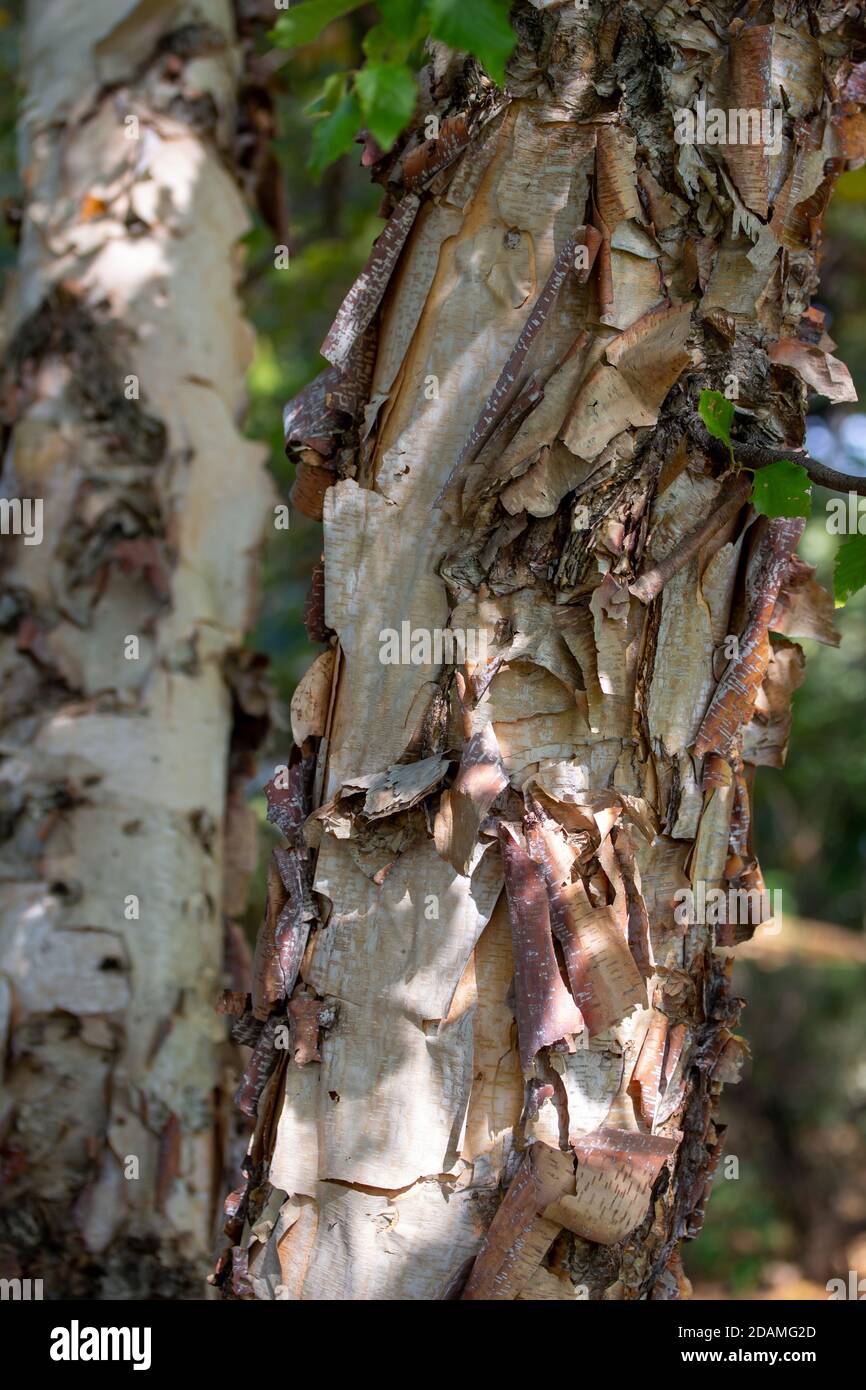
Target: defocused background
{"type": "Point", "coordinates": [794, 1215]}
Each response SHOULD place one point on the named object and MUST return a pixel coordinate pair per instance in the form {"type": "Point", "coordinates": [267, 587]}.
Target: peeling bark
{"type": "Point", "coordinates": [602, 744]}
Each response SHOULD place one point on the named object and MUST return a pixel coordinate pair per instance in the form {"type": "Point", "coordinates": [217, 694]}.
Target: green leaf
{"type": "Point", "coordinates": [381, 46]}
{"type": "Point", "coordinates": [334, 134]}
{"type": "Point", "coordinates": [782, 488]}
{"type": "Point", "coordinates": [329, 97]}
{"type": "Point", "coordinates": [400, 17]}
{"type": "Point", "coordinates": [387, 94]}
{"type": "Point", "coordinates": [849, 573]}
{"type": "Point", "coordinates": [305, 22]}
{"type": "Point", "coordinates": [479, 27]}
{"type": "Point", "coordinates": [717, 413]}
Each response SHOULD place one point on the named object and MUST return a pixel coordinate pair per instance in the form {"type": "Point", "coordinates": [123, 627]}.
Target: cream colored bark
{"type": "Point", "coordinates": [511, 1093]}
{"type": "Point", "coordinates": [126, 351]}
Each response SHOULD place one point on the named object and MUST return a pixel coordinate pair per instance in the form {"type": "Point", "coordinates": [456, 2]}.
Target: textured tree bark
{"type": "Point", "coordinates": [509, 1085]}
{"type": "Point", "coordinates": [125, 695]}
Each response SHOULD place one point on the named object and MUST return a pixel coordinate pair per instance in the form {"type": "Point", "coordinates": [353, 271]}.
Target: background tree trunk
{"type": "Point", "coordinates": [122, 671]}
{"type": "Point", "coordinates": [498, 982]}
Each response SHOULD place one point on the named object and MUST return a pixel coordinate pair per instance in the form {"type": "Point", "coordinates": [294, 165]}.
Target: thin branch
{"type": "Point", "coordinates": [756, 456]}
{"type": "Point", "coordinates": [761, 456]}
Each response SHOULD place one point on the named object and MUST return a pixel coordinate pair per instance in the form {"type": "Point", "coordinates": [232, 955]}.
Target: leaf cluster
{"type": "Point", "coordinates": [381, 95]}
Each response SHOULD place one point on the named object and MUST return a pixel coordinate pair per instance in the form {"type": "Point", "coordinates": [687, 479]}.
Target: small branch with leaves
{"type": "Point", "coordinates": [755, 456]}
{"type": "Point", "coordinates": [782, 482]}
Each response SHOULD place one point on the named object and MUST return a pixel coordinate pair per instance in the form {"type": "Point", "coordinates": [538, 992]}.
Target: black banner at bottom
{"type": "Point", "coordinates": [215, 1338]}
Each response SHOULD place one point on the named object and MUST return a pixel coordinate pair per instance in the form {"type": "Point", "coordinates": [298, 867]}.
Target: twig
{"type": "Point", "coordinates": [762, 455]}
{"type": "Point", "coordinates": [756, 456]}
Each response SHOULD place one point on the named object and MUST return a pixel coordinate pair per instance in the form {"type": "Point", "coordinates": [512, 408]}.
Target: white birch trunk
{"type": "Point", "coordinates": [126, 351]}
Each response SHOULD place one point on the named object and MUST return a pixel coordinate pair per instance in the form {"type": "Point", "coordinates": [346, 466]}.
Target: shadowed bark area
{"type": "Point", "coordinates": [123, 684]}
{"type": "Point", "coordinates": [524, 1036]}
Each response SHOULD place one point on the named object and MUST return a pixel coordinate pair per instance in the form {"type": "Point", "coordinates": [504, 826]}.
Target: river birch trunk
{"type": "Point", "coordinates": [125, 353]}
{"type": "Point", "coordinates": [507, 1031]}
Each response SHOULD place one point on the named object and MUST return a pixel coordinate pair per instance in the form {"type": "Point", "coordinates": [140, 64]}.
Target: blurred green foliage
{"type": "Point", "coordinates": [381, 94]}
{"type": "Point", "coordinates": [796, 1205]}
{"type": "Point", "coordinates": [333, 224]}
{"type": "Point", "coordinates": [811, 816]}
